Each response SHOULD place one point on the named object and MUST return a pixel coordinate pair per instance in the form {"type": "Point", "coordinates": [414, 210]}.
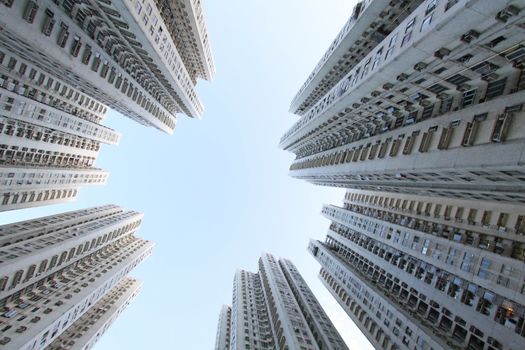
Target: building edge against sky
{"type": "Point", "coordinates": [274, 308]}
{"type": "Point", "coordinates": [427, 111]}
{"type": "Point", "coordinates": [418, 112]}
{"type": "Point", "coordinates": [63, 63]}
{"type": "Point", "coordinates": [138, 57]}
{"type": "Point", "coordinates": [63, 278]}
{"type": "Point", "coordinates": [430, 278]}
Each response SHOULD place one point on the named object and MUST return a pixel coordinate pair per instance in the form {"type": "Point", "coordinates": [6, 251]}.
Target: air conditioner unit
{"type": "Point", "coordinates": [507, 12]}
{"type": "Point", "coordinates": [441, 53]}
{"type": "Point", "coordinates": [490, 77]}
{"type": "Point", "coordinates": [442, 96]}
{"type": "Point", "coordinates": [388, 86]}
{"type": "Point", "coordinates": [397, 113]}
{"type": "Point", "coordinates": [425, 103]}
{"type": "Point", "coordinates": [402, 77]}
{"type": "Point", "coordinates": [463, 87]}
{"type": "Point", "coordinates": [469, 36]}
{"type": "Point", "coordinates": [420, 66]}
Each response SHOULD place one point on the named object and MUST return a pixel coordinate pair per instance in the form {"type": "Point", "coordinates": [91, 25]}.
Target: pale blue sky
{"type": "Point", "coordinates": [217, 193]}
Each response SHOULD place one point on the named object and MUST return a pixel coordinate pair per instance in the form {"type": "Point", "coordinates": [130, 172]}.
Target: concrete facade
{"type": "Point", "coordinates": [222, 340]}
{"type": "Point", "coordinates": [453, 269]}
{"type": "Point", "coordinates": [50, 136]}
{"type": "Point", "coordinates": [57, 269]}
{"type": "Point", "coordinates": [433, 109]}
{"type": "Point", "coordinates": [122, 53]}
{"type": "Point", "coordinates": [275, 309]}
{"type": "Point", "coordinates": [87, 330]}
{"type": "Point", "coordinates": [424, 128]}
{"type": "Point", "coordinates": [64, 63]}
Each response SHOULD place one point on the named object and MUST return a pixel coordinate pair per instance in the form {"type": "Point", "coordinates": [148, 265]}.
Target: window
{"type": "Point", "coordinates": [95, 66]}
{"type": "Point", "coordinates": [495, 88]}
{"type": "Point", "coordinates": [444, 140]}
{"type": "Point", "coordinates": [415, 243]}
{"type": "Point", "coordinates": [30, 11]}
{"type": "Point", "coordinates": [75, 47]}
{"type": "Point", "coordinates": [17, 278]}
{"type": "Point", "coordinates": [409, 143]}
{"type": "Point", "coordinates": [384, 147]}
{"type": "Point", "coordinates": [468, 262]}
{"type": "Point", "coordinates": [391, 46]}
{"type": "Point", "coordinates": [426, 23]}
{"type": "Point", "coordinates": [49, 23]}
{"type": "Point", "coordinates": [431, 6]}
{"type": "Point", "coordinates": [426, 245]}
{"type": "Point", "coordinates": [485, 220]}
{"type": "Point", "coordinates": [501, 127]}
{"type": "Point", "coordinates": [365, 69]}
{"type": "Point", "coordinates": [520, 225]}
{"type": "Point", "coordinates": [30, 272]}
{"type": "Point", "coordinates": [484, 269]}
{"type": "Point", "coordinates": [138, 7]}
{"type": "Point", "coordinates": [377, 58]}
{"type": "Point", "coordinates": [408, 32]}
{"type": "Point", "coordinates": [425, 142]}
{"type": "Point", "coordinates": [452, 256]}
{"type": "Point", "coordinates": [3, 283]}
{"type": "Point", "coordinates": [63, 35]}
{"type": "Point", "coordinates": [470, 134]}
{"type": "Point", "coordinates": [495, 42]}
{"type": "Point", "coordinates": [395, 146]}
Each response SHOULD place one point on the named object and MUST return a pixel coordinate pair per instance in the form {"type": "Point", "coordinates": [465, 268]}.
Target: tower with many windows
{"type": "Point", "coordinates": [275, 309]}
{"type": "Point", "coordinates": [429, 272]}
{"type": "Point", "coordinates": [138, 57]}
{"type": "Point", "coordinates": [434, 108]}
{"type": "Point", "coordinates": [63, 63]}
{"type": "Point", "coordinates": [222, 340]}
{"type": "Point", "coordinates": [63, 277]}
{"type": "Point", "coordinates": [50, 136]}
{"type": "Point", "coordinates": [424, 128]}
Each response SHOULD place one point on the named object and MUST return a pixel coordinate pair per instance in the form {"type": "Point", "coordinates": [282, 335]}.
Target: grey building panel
{"type": "Point", "coordinates": [275, 309]}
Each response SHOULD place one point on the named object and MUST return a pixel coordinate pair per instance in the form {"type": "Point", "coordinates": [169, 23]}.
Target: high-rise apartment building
{"type": "Point", "coordinates": [425, 129]}
{"type": "Point", "coordinates": [275, 309]}
{"type": "Point", "coordinates": [63, 277]}
{"type": "Point", "coordinates": [63, 63]}
{"type": "Point", "coordinates": [50, 136]}
{"type": "Point", "coordinates": [222, 340]}
{"type": "Point", "coordinates": [139, 57]}
{"type": "Point", "coordinates": [427, 272]}
{"type": "Point", "coordinates": [434, 108]}
{"type": "Point", "coordinates": [88, 329]}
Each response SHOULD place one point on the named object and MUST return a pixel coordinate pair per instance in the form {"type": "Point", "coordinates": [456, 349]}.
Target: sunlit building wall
{"type": "Point", "coordinates": [139, 57]}
{"type": "Point", "coordinates": [275, 308]}
{"type": "Point", "coordinates": [435, 108]}
{"type": "Point", "coordinates": [67, 273]}
{"type": "Point", "coordinates": [63, 63]}
{"type": "Point", "coordinates": [424, 128]}
{"type": "Point", "coordinates": [222, 340]}
{"type": "Point", "coordinates": [428, 272]}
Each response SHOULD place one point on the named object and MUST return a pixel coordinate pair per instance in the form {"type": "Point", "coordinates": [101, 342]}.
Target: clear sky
{"type": "Point", "coordinates": [217, 193]}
